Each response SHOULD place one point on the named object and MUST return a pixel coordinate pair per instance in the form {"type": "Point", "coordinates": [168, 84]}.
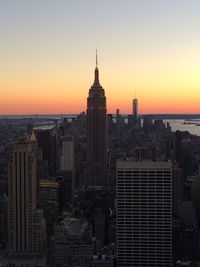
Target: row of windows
{"type": "Point", "coordinates": [144, 170]}
{"type": "Point", "coordinates": [144, 188]}
{"type": "Point", "coordinates": [143, 179]}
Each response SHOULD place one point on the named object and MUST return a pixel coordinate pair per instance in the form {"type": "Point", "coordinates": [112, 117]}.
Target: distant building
{"type": "Point", "coordinates": [135, 108]}
{"type": "Point", "coordinates": [49, 201]}
{"type": "Point", "coordinates": [141, 153]}
{"type": "Point", "coordinates": [147, 123]}
{"type": "Point", "coordinates": [109, 123]}
{"type": "Point", "coordinates": [72, 243]}
{"type": "Point", "coordinates": [117, 114]}
{"type": "Point", "coordinates": [103, 261]}
{"type": "Point", "coordinates": [159, 125]}
{"type": "Point", "coordinates": [119, 121]}
{"type": "Point", "coordinates": [144, 214]}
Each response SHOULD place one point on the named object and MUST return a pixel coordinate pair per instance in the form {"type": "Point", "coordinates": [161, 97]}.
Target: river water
{"type": "Point", "coordinates": [179, 125]}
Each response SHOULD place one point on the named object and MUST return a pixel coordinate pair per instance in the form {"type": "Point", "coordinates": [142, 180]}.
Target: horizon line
{"type": "Point", "coordinates": [76, 114]}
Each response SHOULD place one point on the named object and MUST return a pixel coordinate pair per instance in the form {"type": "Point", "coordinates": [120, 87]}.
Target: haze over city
{"type": "Point", "coordinates": [47, 53]}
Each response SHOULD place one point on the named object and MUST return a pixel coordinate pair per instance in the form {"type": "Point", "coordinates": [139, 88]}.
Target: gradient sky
{"type": "Point", "coordinates": [47, 54]}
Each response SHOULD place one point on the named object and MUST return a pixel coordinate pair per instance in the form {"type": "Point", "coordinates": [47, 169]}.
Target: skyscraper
{"type": "Point", "coordinates": [67, 153]}
{"type": "Point", "coordinates": [26, 226]}
{"type": "Point", "coordinates": [96, 135]}
{"type": "Point", "coordinates": [47, 138]}
{"type": "Point", "coordinates": [135, 108]}
{"type": "Point", "coordinates": [67, 169]}
{"type": "Point", "coordinates": [49, 202]}
{"type": "Point", "coordinates": [144, 213]}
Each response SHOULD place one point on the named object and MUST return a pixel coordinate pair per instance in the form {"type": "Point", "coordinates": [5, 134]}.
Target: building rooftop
{"type": "Point", "coordinates": [143, 164]}
{"type": "Point", "coordinates": [73, 226]}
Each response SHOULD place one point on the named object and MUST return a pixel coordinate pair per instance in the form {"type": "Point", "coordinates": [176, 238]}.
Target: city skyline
{"type": "Point", "coordinates": [48, 53]}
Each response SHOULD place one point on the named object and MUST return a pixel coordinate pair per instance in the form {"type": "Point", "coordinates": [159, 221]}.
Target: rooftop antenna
{"type": "Point", "coordinates": [96, 58]}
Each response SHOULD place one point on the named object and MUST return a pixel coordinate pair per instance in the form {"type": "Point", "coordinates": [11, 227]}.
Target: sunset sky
{"type": "Point", "coordinates": [47, 55]}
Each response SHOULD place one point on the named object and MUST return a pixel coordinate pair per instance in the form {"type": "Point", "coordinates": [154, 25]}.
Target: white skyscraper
{"type": "Point", "coordinates": [144, 214]}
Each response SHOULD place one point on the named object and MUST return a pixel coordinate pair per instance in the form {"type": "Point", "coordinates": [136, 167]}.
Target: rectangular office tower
{"type": "Point", "coordinates": [25, 222]}
{"type": "Point", "coordinates": [144, 214]}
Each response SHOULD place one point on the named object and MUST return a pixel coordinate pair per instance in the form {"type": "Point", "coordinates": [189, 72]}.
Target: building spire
{"type": "Point", "coordinates": [96, 59]}
{"type": "Point", "coordinates": [96, 73]}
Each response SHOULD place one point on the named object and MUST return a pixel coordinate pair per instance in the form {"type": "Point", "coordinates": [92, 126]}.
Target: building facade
{"type": "Point", "coordinates": [26, 226]}
{"type": "Point", "coordinates": [67, 153]}
{"type": "Point", "coordinates": [49, 201]}
{"type": "Point", "coordinates": [144, 214]}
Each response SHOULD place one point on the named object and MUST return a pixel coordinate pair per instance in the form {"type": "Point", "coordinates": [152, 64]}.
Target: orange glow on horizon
{"type": "Point", "coordinates": [167, 91]}
{"type": "Point", "coordinates": [73, 106]}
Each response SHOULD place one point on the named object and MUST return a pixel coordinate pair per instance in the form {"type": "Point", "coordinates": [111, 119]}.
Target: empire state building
{"type": "Point", "coordinates": [96, 135]}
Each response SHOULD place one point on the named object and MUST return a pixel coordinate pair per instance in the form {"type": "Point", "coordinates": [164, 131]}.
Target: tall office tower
{"type": "Point", "coordinates": [47, 138]}
{"type": "Point", "coordinates": [67, 169]}
{"type": "Point", "coordinates": [135, 108]}
{"type": "Point", "coordinates": [144, 214]}
{"type": "Point", "coordinates": [26, 226]}
{"type": "Point", "coordinates": [96, 135]}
